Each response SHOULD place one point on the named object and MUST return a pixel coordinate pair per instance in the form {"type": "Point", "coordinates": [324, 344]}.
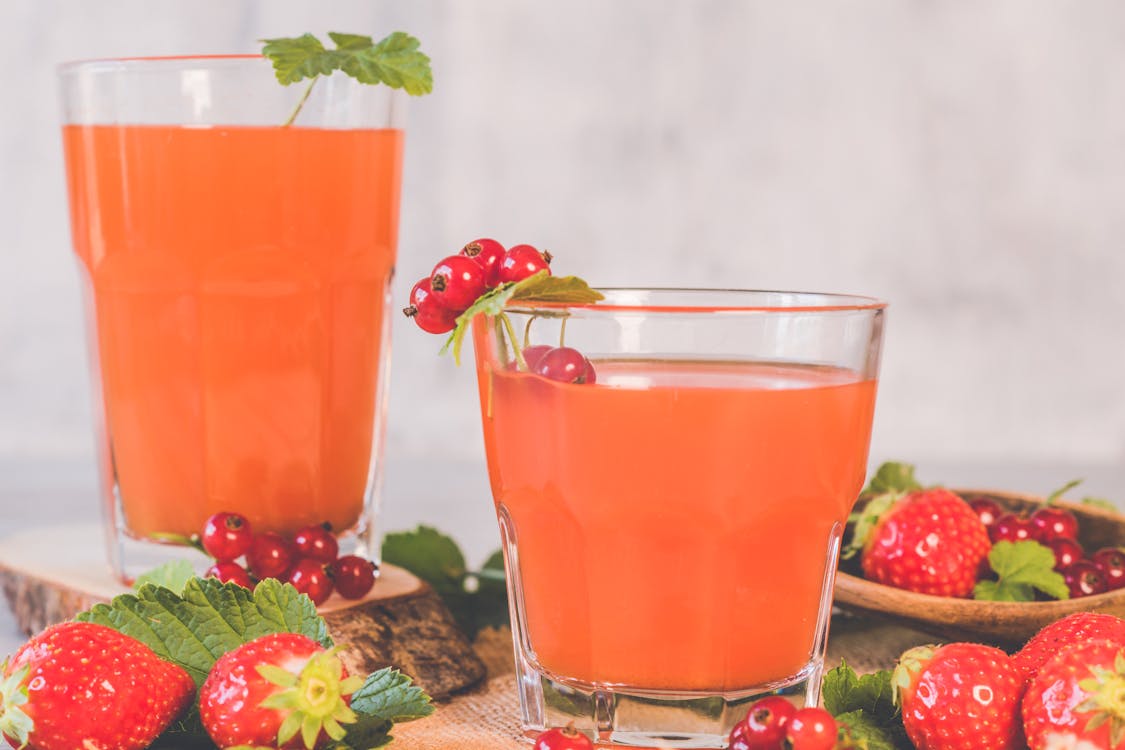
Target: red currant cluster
{"type": "Point", "coordinates": [457, 281]}
{"type": "Point", "coordinates": [310, 561]}
{"type": "Point", "coordinates": [1056, 528]}
{"type": "Point", "coordinates": [776, 724]}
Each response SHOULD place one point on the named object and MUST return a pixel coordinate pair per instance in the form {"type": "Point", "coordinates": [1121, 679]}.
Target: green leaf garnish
{"type": "Point", "coordinates": [1100, 503]}
{"type": "Point", "coordinates": [864, 708]}
{"type": "Point", "coordinates": [892, 476]}
{"type": "Point", "coordinates": [539, 287]}
{"type": "Point", "coordinates": [173, 575]}
{"type": "Point", "coordinates": [389, 694]}
{"type": "Point", "coordinates": [1022, 569]}
{"type": "Point", "coordinates": [1062, 490]}
{"type": "Point", "coordinates": [437, 560]}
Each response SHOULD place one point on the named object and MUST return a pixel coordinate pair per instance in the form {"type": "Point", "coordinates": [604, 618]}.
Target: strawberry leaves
{"type": "Point", "coordinates": [1022, 568]}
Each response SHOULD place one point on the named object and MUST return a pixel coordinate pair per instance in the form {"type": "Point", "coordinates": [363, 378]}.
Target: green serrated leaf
{"type": "Point", "coordinates": [389, 695]}
{"type": "Point", "coordinates": [297, 58]}
{"type": "Point", "coordinates": [892, 476]}
{"type": "Point", "coordinates": [858, 731]}
{"type": "Point", "coordinates": [173, 575]}
{"type": "Point", "coordinates": [395, 61]}
{"type": "Point", "coordinates": [1063, 490]}
{"type": "Point", "coordinates": [1021, 569]}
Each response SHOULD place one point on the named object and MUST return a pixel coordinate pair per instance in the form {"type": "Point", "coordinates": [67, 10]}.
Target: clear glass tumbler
{"type": "Point", "coordinates": [671, 529]}
{"type": "Point", "coordinates": [237, 263]}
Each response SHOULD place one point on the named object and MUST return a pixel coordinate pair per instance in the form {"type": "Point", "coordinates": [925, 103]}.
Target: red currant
{"type": "Point", "coordinates": [457, 281]}
{"type": "Point", "coordinates": [566, 365]}
{"type": "Point", "coordinates": [270, 556]}
{"type": "Point", "coordinates": [522, 261]}
{"type": "Point", "coordinates": [226, 536]}
{"type": "Point", "coordinates": [1084, 578]}
{"type": "Point", "coordinates": [311, 579]}
{"type": "Point", "coordinates": [353, 575]}
{"type": "Point", "coordinates": [317, 543]}
{"type": "Point", "coordinates": [764, 726]}
{"type": "Point", "coordinates": [533, 354]}
{"type": "Point", "coordinates": [987, 509]}
{"type": "Point", "coordinates": [1111, 561]}
{"type": "Point", "coordinates": [1012, 528]}
{"type": "Point", "coordinates": [230, 572]}
{"type": "Point", "coordinates": [1067, 552]}
{"type": "Point", "coordinates": [487, 254]}
{"type": "Point", "coordinates": [563, 739]}
{"type": "Point", "coordinates": [811, 729]}
{"type": "Point", "coordinates": [427, 312]}
{"type": "Point", "coordinates": [1054, 523]}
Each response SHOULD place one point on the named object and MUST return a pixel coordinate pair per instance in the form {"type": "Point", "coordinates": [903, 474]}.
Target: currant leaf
{"type": "Point", "coordinates": [394, 61]}
{"type": "Point", "coordinates": [1021, 569]}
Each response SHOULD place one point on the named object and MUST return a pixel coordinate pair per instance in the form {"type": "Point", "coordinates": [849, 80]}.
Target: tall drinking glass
{"type": "Point", "coordinates": [671, 529]}
{"type": "Point", "coordinates": [237, 271]}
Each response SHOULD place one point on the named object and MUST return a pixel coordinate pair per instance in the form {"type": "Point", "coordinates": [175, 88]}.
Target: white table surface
{"type": "Point", "coordinates": [454, 497]}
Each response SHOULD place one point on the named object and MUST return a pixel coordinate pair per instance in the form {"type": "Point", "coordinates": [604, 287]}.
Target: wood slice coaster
{"type": "Point", "coordinates": [51, 574]}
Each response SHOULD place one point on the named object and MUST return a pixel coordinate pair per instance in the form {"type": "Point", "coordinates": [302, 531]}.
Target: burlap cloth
{"type": "Point", "coordinates": [487, 718]}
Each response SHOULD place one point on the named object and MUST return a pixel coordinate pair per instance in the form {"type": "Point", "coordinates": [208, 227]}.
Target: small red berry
{"type": "Point", "coordinates": [522, 261]}
{"type": "Point", "coordinates": [311, 579]}
{"type": "Point", "coordinates": [1111, 561]}
{"type": "Point", "coordinates": [1054, 523]}
{"type": "Point", "coordinates": [427, 312]}
{"type": "Point", "coordinates": [1067, 552]}
{"type": "Point", "coordinates": [764, 725]}
{"type": "Point", "coordinates": [566, 365]}
{"type": "Point", "coordinates": [563, 739]}
{"type": "Point", "coordinates": [988, 510]}
{"type": "Point", "coordinates": [270, 556]}
{"type": "Point", "coordinates": [456, 282]}
{"type": "Point", "coordinates": [811, 729]}
{"type": "Point", "coordinates": [226, 536]}
{"type": "Point", "coordinates": [1012, 527]}
{"type": "Point", "coordinates": [317, 543]}
{"type": "Point", "coordinates": [487, 254]}
{"type": "Point", "coordinates": [533, 354]}
{"type": "Point", "coordinates": [230, 572]}
{"type": "Point", "coordinates": [353, 575]}
{"type": "Point", "coordinates": [1084, 578]}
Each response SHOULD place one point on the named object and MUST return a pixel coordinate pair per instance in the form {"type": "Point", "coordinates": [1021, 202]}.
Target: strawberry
{"type": "Point", "coordinates": [81, 685]}
{"type": "Point", "coordinates": [963, 696]}
{"type": "Point", "coordinates": [1077, 628]}
{"type": "Point", "coordinates": [1077, 699]}
{"type": "Point", "coordinates": [929, 541]}
{"type": "Point", "coordinates": [282, 690]}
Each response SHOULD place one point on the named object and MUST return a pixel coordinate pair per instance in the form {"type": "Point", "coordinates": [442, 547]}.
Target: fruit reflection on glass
{"type": "Point", "coordinates": [672, 471]}
{"type": "Point", "coordinates": [237, 254]}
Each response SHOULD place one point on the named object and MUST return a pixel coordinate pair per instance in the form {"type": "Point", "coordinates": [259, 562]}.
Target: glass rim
{"type": "Point", "coordinates": [712, 300]}
{"type": "Point", "coordinates": [111, 64]}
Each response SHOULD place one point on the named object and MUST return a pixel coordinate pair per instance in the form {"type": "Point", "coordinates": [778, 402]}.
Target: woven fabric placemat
{"type": "Point", "coordinates": [488, 718]}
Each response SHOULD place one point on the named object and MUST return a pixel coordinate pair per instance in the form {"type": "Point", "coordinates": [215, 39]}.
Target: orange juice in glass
{"type": "Point", "coordinates": [237, 273]}
{"type": "Point", "coordinates": [671, 530]}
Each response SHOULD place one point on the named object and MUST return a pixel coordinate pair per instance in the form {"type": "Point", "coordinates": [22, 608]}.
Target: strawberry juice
{"type": "Point", "coordinates": [670, 527]}
{"type": "Point", "coordinates": [238, 280]}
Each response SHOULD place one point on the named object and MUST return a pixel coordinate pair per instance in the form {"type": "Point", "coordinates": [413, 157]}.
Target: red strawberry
{"type": "Point", "coordinates": [280, 690]}
{"type": "Point", "coordinates": [929, 541]}
{"type": "Point", "coordinates": [1077, 700]}
{"type": "Point", "coordinates": [963, 696]}
{"type": "Point", "coordinates": [1077, 628]}
{"type": "Point", "coordinates": [80, 685]}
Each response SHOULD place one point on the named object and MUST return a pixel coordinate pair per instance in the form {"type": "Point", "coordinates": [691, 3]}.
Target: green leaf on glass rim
{"type": "Point", "coordinates": [892, 476]}
{"type": "Point", "coordinates": [395, 60]}
{"type": "Point", "coordinates": [539, 287]}
{"type": "Point", "coordinates": [173, 575]}
{"type": "Point", "coordinates": [1022, 568]}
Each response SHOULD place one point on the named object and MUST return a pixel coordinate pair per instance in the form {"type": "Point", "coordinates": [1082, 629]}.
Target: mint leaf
{"type": "Point", "coordinates": [892, 476]}
{"type": "Point", "coordinates": [1022, 568]}
{"type": "Point", "coordinates": [173, 575]}
{"type": "Point", "coordinates": [864, 708]}
{"type": "Point", "coordinates": [389, 694]}
{"type": "Point", "coordinates": [857, 730]}
{"type": "Point", "coordinates": [1101, 503]}
{"type": "Point", "coordinates": [539, 287]}
{"type": "Point", "coordinates": [209, 619]}
{"type": "Point", "coordinates": [1062, 490]}
{"type": "Point", "coordinates": [394, 61]}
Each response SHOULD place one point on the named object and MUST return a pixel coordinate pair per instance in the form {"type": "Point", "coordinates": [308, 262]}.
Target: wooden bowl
{"type": "Point", "coordinates": [1005, 624]}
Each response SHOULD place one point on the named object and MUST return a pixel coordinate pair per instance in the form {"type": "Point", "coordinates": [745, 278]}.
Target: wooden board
{"type": "Point", "coordinates": [50, 574]}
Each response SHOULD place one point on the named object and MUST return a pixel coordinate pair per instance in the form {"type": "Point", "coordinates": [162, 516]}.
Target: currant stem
{"type": "Point", "coordinates": [521, 363]}
{"type": "Point", "coordinates": [301, 103]}
{"type": "Point", "coordinates": [562, 332]}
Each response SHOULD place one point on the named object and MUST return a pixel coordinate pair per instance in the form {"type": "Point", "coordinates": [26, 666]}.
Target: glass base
{"type": "Point", "coordinates": [622, 716]}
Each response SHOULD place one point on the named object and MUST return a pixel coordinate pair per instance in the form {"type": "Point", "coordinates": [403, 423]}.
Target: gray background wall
{"type": "Point", "coordinates": [966, 161]}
